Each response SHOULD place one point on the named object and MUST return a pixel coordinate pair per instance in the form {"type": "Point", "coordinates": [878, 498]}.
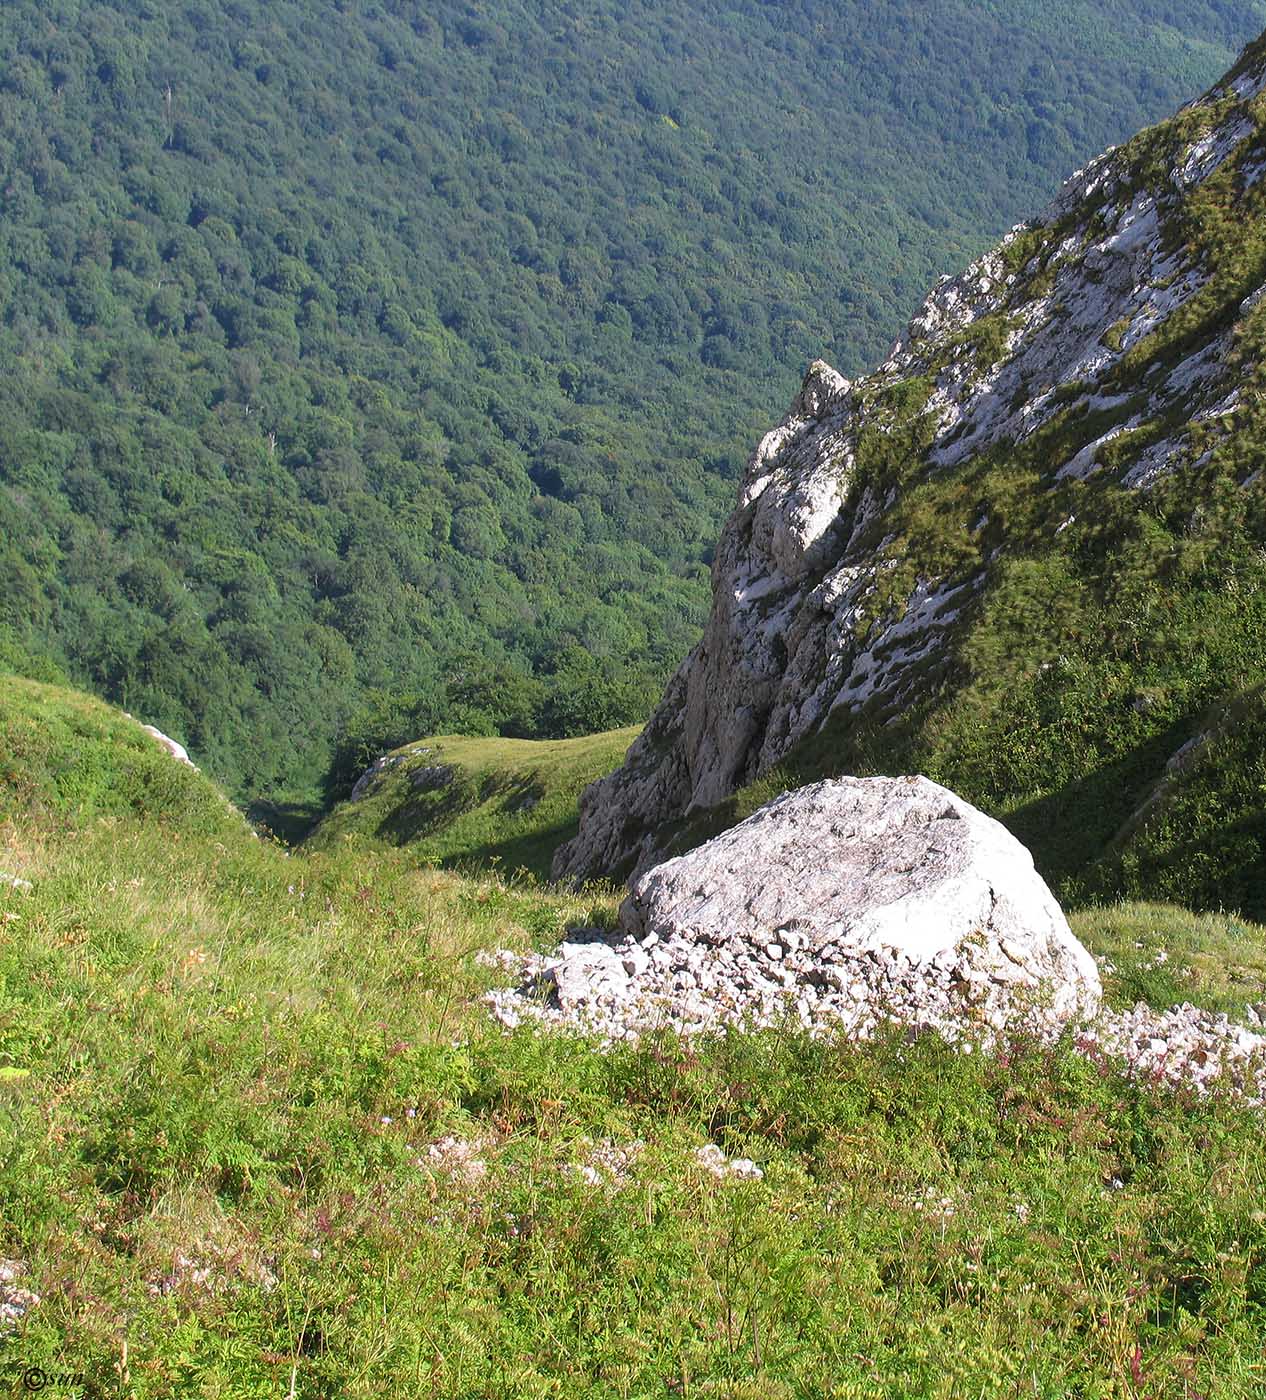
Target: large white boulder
{"type": "Point", "coordinates": [851, 867]}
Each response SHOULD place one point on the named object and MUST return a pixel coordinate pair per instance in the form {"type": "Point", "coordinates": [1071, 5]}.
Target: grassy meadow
{"type": "Point", "coordinates": [258, 1138]}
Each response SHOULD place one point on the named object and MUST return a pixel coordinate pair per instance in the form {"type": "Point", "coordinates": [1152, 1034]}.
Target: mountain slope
{"type": "Point", "coordinates": [67, 760]}
{"type": "Point", "coordinates": [473, 802]}
{"type": "Point", "coordinates": [260, 1137]}
{"type": "Point", "coordinates": [345, 341]}
{"type": "Point", "coordinates": [1027, 556]}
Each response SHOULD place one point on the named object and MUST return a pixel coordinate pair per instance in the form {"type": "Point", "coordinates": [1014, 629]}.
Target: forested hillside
{"type": "Point", "coordinates": [375, 369]}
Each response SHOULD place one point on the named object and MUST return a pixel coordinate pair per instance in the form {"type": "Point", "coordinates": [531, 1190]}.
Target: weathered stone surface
{"type": "Point", "coordinates": [846, 906]}
{"type": "Point", "coordinates": [582, 970]}
{"type": "Point", "coordinates": [862, 865]}
{"type": "Point", "coordinates": [852, 906]}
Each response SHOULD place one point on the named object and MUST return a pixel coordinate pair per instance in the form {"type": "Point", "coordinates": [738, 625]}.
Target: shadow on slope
{"type": "Point", "coordinates": [289, 822]}
{"type": "Point", "coordinates": [1178, 815]}
{"type": "Point", "coordinates": [461, 802]}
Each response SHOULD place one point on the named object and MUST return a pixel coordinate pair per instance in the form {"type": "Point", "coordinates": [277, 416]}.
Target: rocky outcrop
{"type": "Point", "coordinates": [843, 905]}
{"type": "Point", "coordinates": [851, 907]}
{"type": "Point", "coordinates": [177, 750]}
{"type": "Point", "coordinates": [1096, 339]}
{"type": "Point", "coordinates": [425, 779]}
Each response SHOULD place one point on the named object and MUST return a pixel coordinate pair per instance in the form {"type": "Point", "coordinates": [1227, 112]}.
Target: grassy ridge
{"type": "Point", "coordinates": [68, 758]}
{"type": "Point", "coordinates": [455, 800]}
{"type": "Point", "coordinates": [223, 1067]}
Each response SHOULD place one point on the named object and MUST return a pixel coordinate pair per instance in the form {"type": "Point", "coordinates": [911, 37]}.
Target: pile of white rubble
{"type": "Point", "coordinates": [851, 905]}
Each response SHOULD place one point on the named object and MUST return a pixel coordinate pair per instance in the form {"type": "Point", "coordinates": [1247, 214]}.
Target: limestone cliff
{"type": "Point", "coordinates": [1103, 348]}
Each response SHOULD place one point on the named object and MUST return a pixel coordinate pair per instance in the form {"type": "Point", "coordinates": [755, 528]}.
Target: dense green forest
{"type": "Point", "coordinates": [374, 369]}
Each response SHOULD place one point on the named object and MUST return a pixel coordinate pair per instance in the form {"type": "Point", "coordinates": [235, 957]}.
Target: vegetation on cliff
{"type": "Point", "coordinates": [1045, 585]}
{"type": "Point", "coordinates": [258, 1134]}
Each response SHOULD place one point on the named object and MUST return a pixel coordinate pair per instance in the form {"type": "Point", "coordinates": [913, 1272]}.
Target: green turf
{"type": "Point", "coordinates": [1162, 954]}
{"type": "Point", "coordinates": [493, 803]}
{"type": "Point", "coordinates": [68, 758]}
{"type": "Point", "coordinates": [223, 1066]}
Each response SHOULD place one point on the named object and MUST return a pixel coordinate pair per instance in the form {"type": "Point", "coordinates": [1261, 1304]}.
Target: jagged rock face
{"type": "Point", "coordinates": [1095, 339]}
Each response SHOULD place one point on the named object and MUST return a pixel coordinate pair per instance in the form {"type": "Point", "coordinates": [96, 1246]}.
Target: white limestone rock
{"type": "Point", "coordinates": [177, 750]}
{"type": "Point", "coordinates": [845, 907]}
{"type": "Point", "coordinates": [868, 865]}
{"type": "Point", "coordinates": [582, 969]}
{"type": "Point", "coordinates": [851, 907]}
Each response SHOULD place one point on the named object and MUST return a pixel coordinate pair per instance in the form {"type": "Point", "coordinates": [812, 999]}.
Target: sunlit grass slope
{"type": "Point", "coordinates": [67, 758]}
{"type": "Point", "coordinates": [454, 800]}
{"type": "Point", "coordinates": [1162, 954]}
{"type": "Point", "coordinates": [258, 1139]}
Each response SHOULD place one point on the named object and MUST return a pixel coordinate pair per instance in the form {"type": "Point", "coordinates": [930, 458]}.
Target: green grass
{"type": "Point", "coordinates": [222, 1063]}
{"type": "Point", "coordinates": [1163, 954]}
{"type": "Point", "coordinates": [505, 803]}
{"type": "Point", "coordinates": [66, 758]}
{"type": "Point", "coordinates": [1202, 837]}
